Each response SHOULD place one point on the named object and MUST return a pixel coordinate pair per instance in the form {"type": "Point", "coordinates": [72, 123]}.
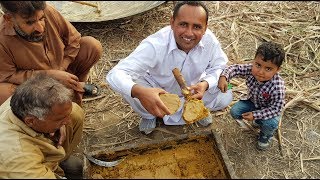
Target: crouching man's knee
{"type": "Point", "coordinates": [90, 44]}
{"type": "Point", "coordinates": [7, 89]}
{"type": "Point", "coordinates": [218, 100]}
{"type": "Point", "coordinates": [74, 130]}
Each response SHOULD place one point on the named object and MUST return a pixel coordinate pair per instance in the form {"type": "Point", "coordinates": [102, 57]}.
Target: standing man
{"type": "Point", "coordinates": [40, 126]}
{"type": "Point", "coordinates": [186, 44]}
{"type": "Point", "coordinates": [34, 38]}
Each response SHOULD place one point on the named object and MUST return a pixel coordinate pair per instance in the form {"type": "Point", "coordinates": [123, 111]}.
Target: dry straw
{"type": "Point", "coordinates": [240, 27]}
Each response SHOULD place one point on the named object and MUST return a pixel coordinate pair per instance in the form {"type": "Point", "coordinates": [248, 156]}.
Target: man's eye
{"type": "Point", "coordinates": [42, 19]}
{"type": "Point", "coordinates": [183, 24]}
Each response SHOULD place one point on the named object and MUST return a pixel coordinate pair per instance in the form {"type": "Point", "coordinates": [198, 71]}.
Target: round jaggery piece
{"type": "Point", "coordinates": [194, 110]}
{"type": "Point", "coordinates": [172, 101]}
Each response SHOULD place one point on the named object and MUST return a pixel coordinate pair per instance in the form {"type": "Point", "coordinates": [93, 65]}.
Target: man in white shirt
{"type": "Point", "coordinates": [186, 44]}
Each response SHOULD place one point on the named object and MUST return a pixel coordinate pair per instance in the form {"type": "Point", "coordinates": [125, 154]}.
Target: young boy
{"type": "Point", "coordinates": [266, 91]}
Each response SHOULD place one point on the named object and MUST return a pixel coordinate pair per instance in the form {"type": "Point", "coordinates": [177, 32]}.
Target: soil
{"type": "Point", "coordinates": [240, 27]}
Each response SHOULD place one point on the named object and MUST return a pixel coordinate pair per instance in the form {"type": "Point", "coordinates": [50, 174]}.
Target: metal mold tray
{"type": "Point", "coordinates": [196, 155]}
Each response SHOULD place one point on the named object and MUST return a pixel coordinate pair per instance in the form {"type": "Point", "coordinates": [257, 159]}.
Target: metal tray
{"type": "Point", "coordinates": [140, 149]}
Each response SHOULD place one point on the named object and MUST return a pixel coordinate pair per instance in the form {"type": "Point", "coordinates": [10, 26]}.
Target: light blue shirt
{"type": "Point", "coordinates": [156, 57]}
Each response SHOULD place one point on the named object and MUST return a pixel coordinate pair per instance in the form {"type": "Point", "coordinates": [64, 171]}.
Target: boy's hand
{"type": "Point", "coordinates": [223, 84]}
{"type": "Point", "coordinates": [248, 116]}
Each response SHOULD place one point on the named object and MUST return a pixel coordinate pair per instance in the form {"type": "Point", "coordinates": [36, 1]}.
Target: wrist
{"type": "Point", "coordinates": [207, 84]}
{"type": "Point", "coordinates": [135, 91]}
{"type": "Point", "coordinates": [223, 77]}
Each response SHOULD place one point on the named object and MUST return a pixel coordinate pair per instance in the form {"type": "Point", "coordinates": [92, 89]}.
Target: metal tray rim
{"type": "Point", "coordinates": [221, 151]}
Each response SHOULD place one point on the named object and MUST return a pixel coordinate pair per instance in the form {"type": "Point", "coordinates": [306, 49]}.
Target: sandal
{"type": "Point", "coordinates": [91, 90]}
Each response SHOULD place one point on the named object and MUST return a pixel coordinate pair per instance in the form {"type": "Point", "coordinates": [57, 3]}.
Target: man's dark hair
{"type": "Point", "coordinates": [25, 9]}
{"type": "Point", "coordinates": [271, 52]}
{"type": "Point", "coordinates": [190, 3]}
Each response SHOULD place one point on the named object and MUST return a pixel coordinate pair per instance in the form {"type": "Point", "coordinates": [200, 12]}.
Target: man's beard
{"type": "Point", "coordinates": [31, 37]}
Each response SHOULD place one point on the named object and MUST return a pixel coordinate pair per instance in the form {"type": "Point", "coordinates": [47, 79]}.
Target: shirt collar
{"type": "Point", "coordinates": [267, 82]}
{"type": "Point", "coordinates": [15, 120]}
{"type": "Point", "coordinates": [173, 44]}
{"type": "Point", "coordinates": [7, 28]}
{"type": "Point", "coordinates": [201, 44]}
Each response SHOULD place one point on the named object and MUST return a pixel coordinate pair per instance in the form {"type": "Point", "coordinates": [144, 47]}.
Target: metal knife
{"type": "Point", "coordinates": [103, 163]}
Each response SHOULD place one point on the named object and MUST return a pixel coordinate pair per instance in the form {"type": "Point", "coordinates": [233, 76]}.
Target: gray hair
{"type": "Point", "coordinates": [37, 95]}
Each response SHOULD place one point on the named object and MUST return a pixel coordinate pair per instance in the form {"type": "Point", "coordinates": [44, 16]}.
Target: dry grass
{"type": "Point", "coordinates": [240, 27]}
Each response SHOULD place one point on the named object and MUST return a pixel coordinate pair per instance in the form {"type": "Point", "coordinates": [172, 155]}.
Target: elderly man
{"type": "Point", "coordinates": [186, 44]}
{"type": "Point", "coordinates": [34, 38]}
{"type": "Point", "coordinates": [40, 126]}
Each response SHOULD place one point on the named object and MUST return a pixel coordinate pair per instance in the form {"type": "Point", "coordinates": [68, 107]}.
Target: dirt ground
{"type": "Point", "coordinates": [240, 27]}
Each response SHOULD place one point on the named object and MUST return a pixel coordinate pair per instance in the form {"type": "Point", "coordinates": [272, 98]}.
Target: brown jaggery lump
{"type": "Point", "coordinates": [193, 159]}
{"type": "Point", "coordinates": [172, 101]}
{"type": "Point", "coordinates": [194, 110]}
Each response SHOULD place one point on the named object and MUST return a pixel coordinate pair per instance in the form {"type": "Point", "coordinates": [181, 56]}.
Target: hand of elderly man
{"type": "Point", "coordinates": [59, 136]}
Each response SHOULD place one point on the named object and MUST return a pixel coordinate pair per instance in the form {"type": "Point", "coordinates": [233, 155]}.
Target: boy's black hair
{"type": "Point", "coordinates": [190, 3]}
{"type": "Point", "coordinates": [271, 52]}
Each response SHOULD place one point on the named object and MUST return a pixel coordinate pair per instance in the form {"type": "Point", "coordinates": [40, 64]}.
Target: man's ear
{"type": "Point", "coordinates": [29, 120]}
{"type": "Point", "coordinates": [279, 68]}
{"type": "Point", "coordinates": [171, 21]}
{"type": "Point", "coordinates": [205, 29]}
{"type": "Point", "coordinates": [7, 17]}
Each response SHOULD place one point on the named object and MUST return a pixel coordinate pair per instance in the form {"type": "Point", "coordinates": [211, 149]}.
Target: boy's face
{"type": "Point", "coordinates": [263, 70]}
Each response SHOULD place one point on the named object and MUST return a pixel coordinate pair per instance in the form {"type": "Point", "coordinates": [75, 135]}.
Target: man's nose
{"type": "Point", "coordinates": [189, 31]}
{"type": "Point", "coordinates": [261, 71]}
{"type": "Point", "coordinates": [39, 26]}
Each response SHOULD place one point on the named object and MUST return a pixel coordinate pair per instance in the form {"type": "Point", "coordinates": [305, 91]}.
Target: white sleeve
{"type": "Point", "coordinates": [217, 63]}
{"type": "Point", "coordinates": [121, 77]}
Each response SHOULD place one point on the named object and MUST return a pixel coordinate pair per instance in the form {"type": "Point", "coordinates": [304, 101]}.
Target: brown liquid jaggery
{"type": "Point", "coordinates": [193, 159]}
